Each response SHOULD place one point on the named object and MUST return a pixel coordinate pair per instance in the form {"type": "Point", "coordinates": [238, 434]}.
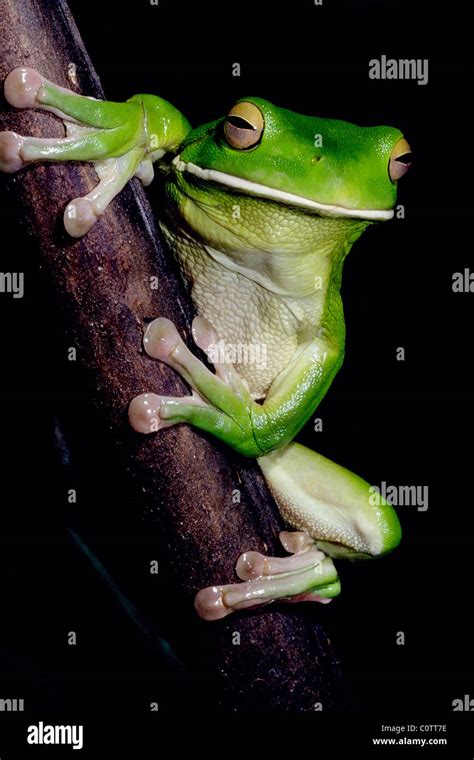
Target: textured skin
{"type": "Point", "coordinates": [316, 522]}
{"type": "Point", "coordinates": [299, 255]}
{"type": "Point", "coordinates": [325, 160]}
{"type": "Point", "coordinates": [329, 502]}
{"type": "Point", "coordinates": [241, 311]}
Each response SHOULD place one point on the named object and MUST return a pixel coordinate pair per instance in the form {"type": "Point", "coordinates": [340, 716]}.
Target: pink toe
{"type": "Point", "coordinates": [209, 604]}
{"type": "Point", "coordinates": [143, 413]}
{"type": "Point", "coordinates": [295, 541]}
{"type": "Point", "coordinates": [204, 334]}
{"type": "Point", "coordinates": [21, 87]}
{"type": "Point", "coordinates": [10, 146]}
{"type": "Point", "coordinates": [79, 217]}
{"type": "Point", "coordinates": [161, 338]}
{"type": "Point", "coordinates": [250, 565]}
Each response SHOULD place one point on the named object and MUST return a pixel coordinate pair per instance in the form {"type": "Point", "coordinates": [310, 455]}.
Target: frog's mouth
{"type": "Point", "coordinates": [281, 196]}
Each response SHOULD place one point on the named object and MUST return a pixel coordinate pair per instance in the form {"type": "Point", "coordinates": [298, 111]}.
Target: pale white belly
{"type": "Point", "coordinates": [259, 329]}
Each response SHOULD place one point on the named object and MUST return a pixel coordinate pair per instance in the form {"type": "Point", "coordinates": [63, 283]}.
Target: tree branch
{"type": "Point", "coordinates": [103, 284]}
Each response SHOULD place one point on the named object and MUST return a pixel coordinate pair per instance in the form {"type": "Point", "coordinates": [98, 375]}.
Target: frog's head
{"type": "Point", "coordinates": [329, 167]}
{"type": "Point", "coordinates": [301, 189]}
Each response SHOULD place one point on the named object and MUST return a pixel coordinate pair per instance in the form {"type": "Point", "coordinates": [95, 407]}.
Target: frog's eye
{"type": "Point", "coordinates": [400, 160]}
{"type": "Point", "coordinates": [243, 126]}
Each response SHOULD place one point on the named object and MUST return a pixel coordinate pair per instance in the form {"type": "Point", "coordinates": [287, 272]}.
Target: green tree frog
{"type": "Point", "coordinates": [260, 209]}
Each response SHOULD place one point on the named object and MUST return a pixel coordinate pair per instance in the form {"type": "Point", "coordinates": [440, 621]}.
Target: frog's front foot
{"type": "Point", "coordinates": [107, 134]}
{"type": "Point", "coordinates": [220, 403]}
{"type": "Point", "coordinates": [120, 139]}
{"type": "Point", "coordinates": [306, 576]}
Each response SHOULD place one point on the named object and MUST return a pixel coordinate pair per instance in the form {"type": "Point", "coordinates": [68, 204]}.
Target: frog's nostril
{"type": "Point", "coordinates": [400, 160]}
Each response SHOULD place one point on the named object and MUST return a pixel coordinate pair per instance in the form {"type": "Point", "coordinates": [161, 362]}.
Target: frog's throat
{"type": "Point", "coordinates": [254, 188]}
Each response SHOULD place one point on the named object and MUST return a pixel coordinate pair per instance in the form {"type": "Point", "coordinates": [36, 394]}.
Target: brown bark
{"type": "Point", "coordinates": [103, 284]}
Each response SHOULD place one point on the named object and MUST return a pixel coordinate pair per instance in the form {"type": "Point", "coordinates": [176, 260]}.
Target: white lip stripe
{"type": "Point", "coordinates": [253, 188]}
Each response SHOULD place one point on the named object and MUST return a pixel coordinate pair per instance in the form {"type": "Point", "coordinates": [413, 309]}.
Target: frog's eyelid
{"type": "Point", "coordinates": [406, 158]}
{"type": "Point", "coordinates": [240, 123]}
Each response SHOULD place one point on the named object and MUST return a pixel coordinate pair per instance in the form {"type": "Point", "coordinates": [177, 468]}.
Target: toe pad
{"type": "Point", "coordinates": [22, 86]}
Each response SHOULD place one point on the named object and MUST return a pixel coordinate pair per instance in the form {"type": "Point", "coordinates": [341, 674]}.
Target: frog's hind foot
{"type": "Point", "coordinates": [307, 575]}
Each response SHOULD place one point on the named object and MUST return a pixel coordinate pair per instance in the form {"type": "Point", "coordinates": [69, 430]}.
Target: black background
{"type": "Point", "coordinates": [404, 422]}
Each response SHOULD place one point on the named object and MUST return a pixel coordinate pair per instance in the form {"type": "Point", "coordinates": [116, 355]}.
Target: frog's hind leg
{"type": "Point", "coordinates": [345, 515]}
{"type": "Point", "coordinates": [308, 575]}
{"type": "Point", "coordinates": [337, 514]}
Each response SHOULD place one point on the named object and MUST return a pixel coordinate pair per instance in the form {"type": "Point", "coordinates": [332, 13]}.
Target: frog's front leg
{"type": "Point", "coordinates": [121, 139]}
{"type": "Point", "coordinates": [220, 403]}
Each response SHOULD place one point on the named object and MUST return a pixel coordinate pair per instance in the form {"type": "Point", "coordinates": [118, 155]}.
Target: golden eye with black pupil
{"type": "Point", "coordinates": [243, 127]}
{"type": "Point", "coordinates": [400, 160]}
